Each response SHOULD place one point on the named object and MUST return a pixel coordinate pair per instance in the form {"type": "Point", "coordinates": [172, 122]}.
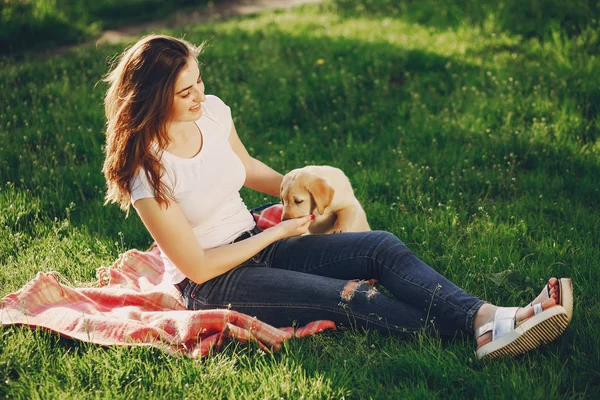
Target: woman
{"type": "Point", "coordinates": [173, 152]}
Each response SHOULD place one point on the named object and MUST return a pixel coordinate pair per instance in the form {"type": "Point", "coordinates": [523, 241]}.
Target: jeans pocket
{"type": "Point", "coordinates": [265, 256]}
{"type": "Point", "coordinates": [199, 292]}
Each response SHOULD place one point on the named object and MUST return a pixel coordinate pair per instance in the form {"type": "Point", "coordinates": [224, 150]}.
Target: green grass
{"type": "Point", "coordinates": [34, 25]}
{"type": "Point", "coordinates": [475, 142]}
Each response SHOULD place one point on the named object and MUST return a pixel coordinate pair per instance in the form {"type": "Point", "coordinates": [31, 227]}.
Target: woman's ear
{"type": "Point", "coordinates": [321, 192]}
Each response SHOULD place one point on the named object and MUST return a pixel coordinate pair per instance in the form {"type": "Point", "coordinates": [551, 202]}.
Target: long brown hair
{"type": "Point", "coordinates": [137, 106]}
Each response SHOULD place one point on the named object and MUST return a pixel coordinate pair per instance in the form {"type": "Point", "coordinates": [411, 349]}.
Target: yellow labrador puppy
{"type": "Point", "coordinates": [325, 192]}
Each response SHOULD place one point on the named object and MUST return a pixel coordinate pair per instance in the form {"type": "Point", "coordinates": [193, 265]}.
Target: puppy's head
{"type": "Point", "coordinates": [302, 193]}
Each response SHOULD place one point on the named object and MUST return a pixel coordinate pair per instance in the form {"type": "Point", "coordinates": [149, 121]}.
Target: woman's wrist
{"type": "Point", "coordinates": [273, 234]}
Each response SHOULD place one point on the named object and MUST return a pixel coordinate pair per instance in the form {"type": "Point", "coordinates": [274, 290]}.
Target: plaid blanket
{"type": "Point", "coordinates": [133, 305]}
{"type": "Point", "coordinates": [270, 215]}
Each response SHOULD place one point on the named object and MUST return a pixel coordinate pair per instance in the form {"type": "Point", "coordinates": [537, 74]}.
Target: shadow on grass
{"type": "Point", "coordinates": [317, 91]}
{"type": "Point", "coordinates": [528, 18]}
{"type": "Point", "coordinates": [29, 26]}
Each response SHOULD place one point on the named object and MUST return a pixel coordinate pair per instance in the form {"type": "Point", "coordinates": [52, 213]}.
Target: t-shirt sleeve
{"type": "Point", "coordinates": [140, 187]}
{"type": "Point", "coordinates": [221, 113]}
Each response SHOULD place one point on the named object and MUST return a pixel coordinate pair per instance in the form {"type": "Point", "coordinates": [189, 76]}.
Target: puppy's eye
{"type": "Point", "coordinates": [298, 201]}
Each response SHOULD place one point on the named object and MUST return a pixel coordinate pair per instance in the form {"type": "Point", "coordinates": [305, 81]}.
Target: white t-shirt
{"type": "Point", "coordinates": [206, 185]}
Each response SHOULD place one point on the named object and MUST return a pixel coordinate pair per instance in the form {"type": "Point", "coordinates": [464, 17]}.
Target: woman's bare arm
{"type": "Point", "coordinates": [259, 176]}
{"type": "Point", "coordinates": [174, 235]}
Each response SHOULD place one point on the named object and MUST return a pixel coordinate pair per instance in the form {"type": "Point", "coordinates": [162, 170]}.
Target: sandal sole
{"type": "Point", "coordinates": [565, 286]}
{"type": "Point", "coordinates": [535, 331]}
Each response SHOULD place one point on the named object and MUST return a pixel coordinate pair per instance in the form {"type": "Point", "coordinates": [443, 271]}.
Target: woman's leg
{"type": "Point", "coordinates": [382, 256]}
{"type": "Point", "coordinates": [285, 298]}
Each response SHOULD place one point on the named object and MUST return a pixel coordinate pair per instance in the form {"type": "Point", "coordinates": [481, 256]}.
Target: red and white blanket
{"type": "Point", "coordinates": [133, 305]}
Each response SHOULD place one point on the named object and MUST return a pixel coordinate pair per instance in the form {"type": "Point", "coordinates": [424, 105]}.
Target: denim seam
{"type": "Point", "coordinates": [354, 257]}
{"type": "Point", "coordinates": [386, 267]}
{"type": "Point", "coordinates": [335, 261]}
{"type": "Point", "coordinates": [398, 276]}
{"type": "Point", "coordinates": [433, 294]}
{"type": "Point", "coordinates": [408, 252]}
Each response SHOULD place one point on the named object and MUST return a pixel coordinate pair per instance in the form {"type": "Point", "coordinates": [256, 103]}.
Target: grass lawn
{"type": "Point", "coordinates": [34, 25]}
{"type": "Point", "coordinates": [473, 139]}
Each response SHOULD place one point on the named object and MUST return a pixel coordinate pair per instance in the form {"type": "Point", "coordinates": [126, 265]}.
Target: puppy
{"type": "Point", "coordinates": [325, 192]}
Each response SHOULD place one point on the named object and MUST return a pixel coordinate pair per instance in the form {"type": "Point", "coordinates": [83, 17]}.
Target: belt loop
{"type": "Point", "coordinates": [249, 233]}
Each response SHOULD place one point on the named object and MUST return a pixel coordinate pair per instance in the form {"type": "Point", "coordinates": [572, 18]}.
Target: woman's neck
{"type": "Point", "coordinates": [181, 132]}
{"type": "Point", "coordinates": [186, 140]}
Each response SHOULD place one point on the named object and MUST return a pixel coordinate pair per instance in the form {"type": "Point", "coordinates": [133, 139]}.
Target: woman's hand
{"type": "Point", "coordinates": [293, 227]}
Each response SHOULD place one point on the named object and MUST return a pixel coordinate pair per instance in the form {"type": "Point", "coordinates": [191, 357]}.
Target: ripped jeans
{"type": "Point", "coordinates": [298, 280]}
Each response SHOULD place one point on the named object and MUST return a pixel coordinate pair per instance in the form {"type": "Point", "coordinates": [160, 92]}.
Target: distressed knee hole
{"type": "Point", "coordinates": [372, 292]}
{"type": "Point", "coordinates": [349, 290]}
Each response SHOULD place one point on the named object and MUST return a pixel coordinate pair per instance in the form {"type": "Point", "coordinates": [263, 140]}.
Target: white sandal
{"type": "Point", "coordinates": [510, 338]}
{"type": "Point", "coordinates": [565, 295]}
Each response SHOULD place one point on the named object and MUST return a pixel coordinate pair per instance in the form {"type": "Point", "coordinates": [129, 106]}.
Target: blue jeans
{"type": "Point", "coordinates": [302, 279]}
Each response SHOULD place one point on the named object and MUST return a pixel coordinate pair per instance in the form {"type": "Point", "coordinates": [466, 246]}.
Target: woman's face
{"type": "Point", "coordinates": [189, 94]}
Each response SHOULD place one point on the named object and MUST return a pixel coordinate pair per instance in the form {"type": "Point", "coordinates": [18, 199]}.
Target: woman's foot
{"type": "Point", "coordinates": [561, 290]}
{"type": "Point", "coordinates": [552, 290]}
{"type": "Point", "coordinates": [510, 331]}
{"type": "Point", "coordinates": [487, 311]}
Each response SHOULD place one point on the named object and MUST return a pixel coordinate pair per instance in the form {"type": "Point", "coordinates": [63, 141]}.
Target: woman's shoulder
{"type": "Point", "coordinates": [139, 185]}
{"type": "Point", "coordinates": [216, 106]}
{"type": "Point", "coordinates": [218, 111]}
{"type": "Point", "coordinates": [213, 100]}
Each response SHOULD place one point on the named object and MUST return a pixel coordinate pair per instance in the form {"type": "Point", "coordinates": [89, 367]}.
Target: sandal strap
{"type": "Point", "coordinates": [503, 322]}
{"type": "Point", "coordinates": [483, 329]}
{"type": "Point", "coordinates": [545, 291]}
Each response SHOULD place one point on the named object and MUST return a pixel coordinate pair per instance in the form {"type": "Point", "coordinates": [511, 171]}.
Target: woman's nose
{"type": "Point", "coordinates": [200, 96]}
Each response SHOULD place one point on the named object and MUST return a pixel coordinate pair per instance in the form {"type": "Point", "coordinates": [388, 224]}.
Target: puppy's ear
{"type": "Point", "coordinates": [321, 192]}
